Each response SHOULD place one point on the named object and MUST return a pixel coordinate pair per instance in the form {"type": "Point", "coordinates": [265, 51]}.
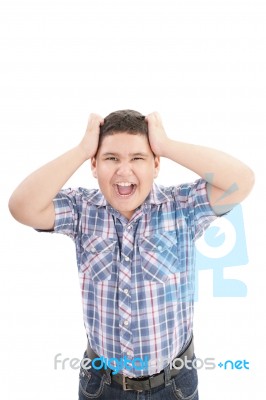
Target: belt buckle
{"type": "Point", "coordinates": [125, 383]}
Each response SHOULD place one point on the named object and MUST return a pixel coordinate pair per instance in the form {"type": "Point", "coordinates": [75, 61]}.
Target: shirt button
{"type": "Point", "coordinates": [126, 323]}
{"type": "Point", "coordinates": [160, 248]}
{"type": "Point", "coordinates": [127, 258]}
{"type": "Point", "coordinates": [126, 291]}
{"type": "Point", "coordinates": [129, 227]}
{"type": "Point", "coordinates": [129, 353]}
{"type": "Point", "coordinates": [93, 250]}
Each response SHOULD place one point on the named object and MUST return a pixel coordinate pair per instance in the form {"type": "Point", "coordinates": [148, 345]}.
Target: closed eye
{"type": "Point", "coordinates": [112, 158]}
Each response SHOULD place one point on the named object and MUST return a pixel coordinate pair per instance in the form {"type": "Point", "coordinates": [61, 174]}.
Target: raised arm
{"type": "Point", "coordinates": [229, 179]}
{"type": "Point", "coordinates": [32, 201]}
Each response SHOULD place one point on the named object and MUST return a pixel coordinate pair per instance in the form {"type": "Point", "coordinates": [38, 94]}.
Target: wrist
{"type": "Point", "coordinates": [165, 147]}
{"type": "Point", "coordinates": [83, 153]}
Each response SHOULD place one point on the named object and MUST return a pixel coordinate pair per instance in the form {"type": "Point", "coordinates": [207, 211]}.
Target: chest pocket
{"type": "Point", "coordinates": [159, 256]}
{"type": "Point", "coordinates": [97, 257]}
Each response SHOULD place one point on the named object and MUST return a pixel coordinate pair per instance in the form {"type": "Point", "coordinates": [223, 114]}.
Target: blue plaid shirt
{"type": "Point", "coordinates": [137, 276]}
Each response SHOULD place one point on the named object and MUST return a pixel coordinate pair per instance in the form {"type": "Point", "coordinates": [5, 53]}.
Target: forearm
{"type": "Point", "coordinates": [32, 201]}
{"type": "Point", "coordinates": [216, 167]}
{"type": "Point", "coordinates": [38, 190]}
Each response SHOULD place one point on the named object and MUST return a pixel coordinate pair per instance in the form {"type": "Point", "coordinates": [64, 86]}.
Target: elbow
{"type": "Point", "coordinates": [251, 179]}
{"type": "Point", "coordinates": [13, 207]}
{"type": "Point", "coordinates": [17, 208]}
{"type": "Point", "coordinates": [248, 181]}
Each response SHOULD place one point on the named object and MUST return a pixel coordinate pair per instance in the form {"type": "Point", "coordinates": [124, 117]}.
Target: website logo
{"type": "Point", "coordinates": [117, 365]}
{"type": "Point", "coordinates": [223, 245]}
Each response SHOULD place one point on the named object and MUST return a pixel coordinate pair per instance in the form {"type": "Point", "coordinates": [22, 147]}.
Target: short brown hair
{"type": "Point", "coordinates": [130, 121]}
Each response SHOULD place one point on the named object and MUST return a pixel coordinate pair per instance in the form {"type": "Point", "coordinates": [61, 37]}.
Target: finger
{"type": "Point", "coordinates": [95, 119]}
{"type": "Point", "coordinates": [148, 117]}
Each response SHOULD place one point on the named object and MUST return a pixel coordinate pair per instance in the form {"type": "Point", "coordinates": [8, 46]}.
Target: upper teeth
{"type": "Point", "coordinates": [124, 184]}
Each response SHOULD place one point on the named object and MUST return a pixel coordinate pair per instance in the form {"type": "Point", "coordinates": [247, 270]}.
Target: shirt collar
{"type": "Point", "coordinates": [157, 195]}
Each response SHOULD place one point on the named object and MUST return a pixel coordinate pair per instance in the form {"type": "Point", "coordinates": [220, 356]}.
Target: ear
{"type": "Point", "coordinates": [156, 166]}
{"type": "Point", "coordinates": [93, 167]}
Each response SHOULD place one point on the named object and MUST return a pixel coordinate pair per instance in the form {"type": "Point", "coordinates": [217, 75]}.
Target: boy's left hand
{"type": "Point", "coordinates": [157, 135]}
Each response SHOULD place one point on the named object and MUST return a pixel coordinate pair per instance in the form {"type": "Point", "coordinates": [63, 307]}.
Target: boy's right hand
{"type": "Point", "coordinates": [89, 143]}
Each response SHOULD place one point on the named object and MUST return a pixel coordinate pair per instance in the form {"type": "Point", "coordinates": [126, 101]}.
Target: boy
{"type": "Point", "coordinates": [135, 248]}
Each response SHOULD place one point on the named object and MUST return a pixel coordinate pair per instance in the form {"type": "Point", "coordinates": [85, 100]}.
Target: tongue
{"type": "Point", "coordinates": [125, 189]}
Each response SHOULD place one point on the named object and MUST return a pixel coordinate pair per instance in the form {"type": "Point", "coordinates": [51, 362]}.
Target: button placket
{"type": "Point", "coordinates": [125, 284]}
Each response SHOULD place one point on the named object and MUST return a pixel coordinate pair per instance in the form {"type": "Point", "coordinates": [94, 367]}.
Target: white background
{"type": "Point", "coordinates": [201, 64]}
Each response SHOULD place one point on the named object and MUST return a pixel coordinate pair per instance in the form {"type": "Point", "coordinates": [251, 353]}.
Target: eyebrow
{"type": "Point", "coordinates": [140, 154]}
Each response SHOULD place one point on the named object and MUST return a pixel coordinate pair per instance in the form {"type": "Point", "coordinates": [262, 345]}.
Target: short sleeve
{"type": "Point", "coordinates": [67, 212]}
{"type": "Point", "coordinates": [193, 198]}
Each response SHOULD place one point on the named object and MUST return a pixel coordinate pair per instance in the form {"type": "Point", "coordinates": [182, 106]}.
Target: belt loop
{"type": "Point", "coordinates": [108, 378]}
{"type": "Point", "coordinates": [167, 376]}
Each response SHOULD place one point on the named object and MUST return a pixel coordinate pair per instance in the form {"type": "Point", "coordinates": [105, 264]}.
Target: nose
{"type": "Point", "coordinates": [124, 169]}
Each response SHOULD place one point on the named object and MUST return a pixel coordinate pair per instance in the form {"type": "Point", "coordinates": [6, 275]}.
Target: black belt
{"type": "Point", "coordinates": [149, 382]}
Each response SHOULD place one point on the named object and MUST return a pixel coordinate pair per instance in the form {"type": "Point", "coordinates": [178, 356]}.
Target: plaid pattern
{"type": "Point", "coordinates": [137, 277]}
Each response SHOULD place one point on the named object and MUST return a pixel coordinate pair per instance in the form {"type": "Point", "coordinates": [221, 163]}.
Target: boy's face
{"type": "Point", "coordinates": [125, 168]}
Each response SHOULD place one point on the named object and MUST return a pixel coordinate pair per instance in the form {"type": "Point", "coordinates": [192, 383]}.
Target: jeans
{"type": "Point", "coordinates": [94, 385]}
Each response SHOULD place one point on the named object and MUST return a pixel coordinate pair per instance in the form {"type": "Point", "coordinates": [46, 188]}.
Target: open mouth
{"type": "Point", "coordinates": [125, 189]}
